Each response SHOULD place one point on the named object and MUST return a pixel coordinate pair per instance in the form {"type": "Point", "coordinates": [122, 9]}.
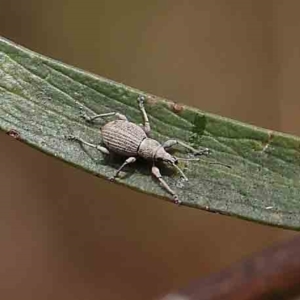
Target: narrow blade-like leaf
{"type": "Point", "coordinates": [40, 103]}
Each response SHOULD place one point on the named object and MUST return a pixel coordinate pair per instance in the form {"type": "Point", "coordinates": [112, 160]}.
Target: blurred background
{"type": "Point", "coordinates": [68, 235]}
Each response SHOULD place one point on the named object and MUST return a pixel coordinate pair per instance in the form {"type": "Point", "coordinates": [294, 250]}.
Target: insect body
{"type": "Point", "coordinates": [123, 137]}
{"type": "Point", "coordinates": [132, 141]}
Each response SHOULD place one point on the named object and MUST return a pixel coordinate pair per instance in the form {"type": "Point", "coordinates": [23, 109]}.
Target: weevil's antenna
{"type": "Point", "coordinates": [208, 162]}
{"type": "Point", "coordinates": [217, 163]}
{"type": "Point", "coordinates": [181, 172]}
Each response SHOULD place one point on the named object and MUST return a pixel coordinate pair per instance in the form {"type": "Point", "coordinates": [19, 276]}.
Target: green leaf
{"type": "Point", "coordinates": [40, 103]}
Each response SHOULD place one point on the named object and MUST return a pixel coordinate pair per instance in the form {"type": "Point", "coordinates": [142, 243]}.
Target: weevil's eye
{"type": "Point", "coordinates": [175, 161]}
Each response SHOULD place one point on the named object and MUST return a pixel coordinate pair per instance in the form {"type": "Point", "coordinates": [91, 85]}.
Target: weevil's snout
{"type": "Point", "coordinates": [163, 155]}
{"type": "Point", "coordinates": [171, 160]}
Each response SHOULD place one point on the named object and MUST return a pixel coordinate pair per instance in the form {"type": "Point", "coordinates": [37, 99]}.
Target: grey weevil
{"type": "Point", "coordinates": [132, 141]}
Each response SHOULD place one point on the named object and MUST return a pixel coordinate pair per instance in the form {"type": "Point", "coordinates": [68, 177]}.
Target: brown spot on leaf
{"type": "Point", "coordinates": [14, 133]}
{"type": "Point", "coordinates": [267, 144]}
{"type": "Point", "coordinates": [176, 107]}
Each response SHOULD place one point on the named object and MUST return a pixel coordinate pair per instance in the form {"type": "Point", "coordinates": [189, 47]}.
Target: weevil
{"type": "Point", "coordinates": [131, 140]}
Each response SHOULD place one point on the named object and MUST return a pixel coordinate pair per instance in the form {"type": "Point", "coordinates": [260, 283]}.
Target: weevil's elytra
{"type": "Point", "coordinates": [131, 140]}
{"type": "Point", "coordinates": [123, 137]}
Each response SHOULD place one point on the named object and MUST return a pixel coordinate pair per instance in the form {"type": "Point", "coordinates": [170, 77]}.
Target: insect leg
{"type": "Point", "coordinates": [91, 119]}
{"type": "Point", "coordinates": [98, 147]}
{"type": "Point", "coordinates": [141, 100]}
{"type": "Point", "coordinates": [156, 173]}
{"type": "Point", "coordinates": [128, 161]}
{"type": "Point", "coordinates": [170, 143]}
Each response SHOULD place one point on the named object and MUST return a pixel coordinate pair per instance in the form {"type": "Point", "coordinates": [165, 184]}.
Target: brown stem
{"type": "Point", "coordinates": [271, 274]}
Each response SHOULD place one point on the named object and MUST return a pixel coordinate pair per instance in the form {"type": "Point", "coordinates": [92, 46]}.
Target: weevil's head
{"type": "Point", "coordinates": [164, 156]}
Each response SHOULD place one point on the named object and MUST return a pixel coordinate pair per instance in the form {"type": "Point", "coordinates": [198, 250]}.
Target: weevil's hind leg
{"type": "Point", "coordinates": [156, 173]}
{"type": "Point", "coordinates": [91, 119]}
{"type": "Point", "coordinates": [98, 147]}
{"type": "Point", "coordinates": [128, 161]}
{"type": "Point", "coordinates": [146, 127]}
{"type": "Point", "coordinates": [170, 143]}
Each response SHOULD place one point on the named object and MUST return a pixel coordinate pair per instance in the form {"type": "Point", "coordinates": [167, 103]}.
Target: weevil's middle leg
{"type": "Point", "coordinates": [147, 128]}
{"type": "Point", "coordinates": [170, 143]}
{"type": "Point", "coordinates": [91, 119]}
{"type": "Point", "coordinates": [98, 147]}
{"type": "Point", "coordinates": [128, 161]}
{"type": "Point", "coordinates": [156, 173]}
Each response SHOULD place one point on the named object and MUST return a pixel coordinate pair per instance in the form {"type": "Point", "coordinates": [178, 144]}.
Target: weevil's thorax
{"type": "Point", "coordinates": [148, 148]}
{"type": "Point", "coordinates": [151, 149]}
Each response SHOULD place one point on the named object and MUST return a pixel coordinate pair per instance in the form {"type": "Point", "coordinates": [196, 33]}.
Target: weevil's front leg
{"type": "Point", "coordinates": [128, 161]}
{"type": "Point", "coordinates": [141, 100]}
{"type": "Point", "coordinates": [156, 173]}
{"type": "Point", "coordinates": [98, 147]}
{"type": "Point", "coordinates": [170, 143]}
{"type": "Point", "coordinates": [91, 119]}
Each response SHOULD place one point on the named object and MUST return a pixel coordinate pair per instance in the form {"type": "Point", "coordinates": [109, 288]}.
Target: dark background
{"type": "Point", "coordinates": [68, 235]}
